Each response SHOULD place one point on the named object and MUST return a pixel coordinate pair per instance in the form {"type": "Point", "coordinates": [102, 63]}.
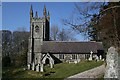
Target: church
{"type": "Point", "coordinates": [42, 51]}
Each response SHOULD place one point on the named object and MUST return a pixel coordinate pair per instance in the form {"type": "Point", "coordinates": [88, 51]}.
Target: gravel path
{"type": "Point", "coordinates": [92, 73]}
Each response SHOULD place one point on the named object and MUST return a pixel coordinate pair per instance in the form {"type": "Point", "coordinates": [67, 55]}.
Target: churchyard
{"type": "Point", "coordinates": [62, 70]}
{"type": "Point", "coordinates": [37, 54]}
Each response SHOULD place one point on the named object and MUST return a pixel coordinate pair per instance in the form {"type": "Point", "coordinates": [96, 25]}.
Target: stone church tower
{"type": "Point", "coordinates": [39, 32]}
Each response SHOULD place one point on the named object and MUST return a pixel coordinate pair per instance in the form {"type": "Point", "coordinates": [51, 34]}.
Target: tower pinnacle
{"type": "Point", "coordinates": [48, 15]}
{"type": "Point", "coordinates": [36, 15]}
{"type": "Point", "coordinates": [44, 11]}
{"type": "Point", "coordinates": [31, 11]}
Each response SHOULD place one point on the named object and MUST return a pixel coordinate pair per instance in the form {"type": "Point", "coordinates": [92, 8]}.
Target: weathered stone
{"type": "Point", "coordinates": [51, 65]}
{"type": "Point", "coordinates": [96, 58]}
{"type": "Point", "coordinates": [33, 66]}
{"type": "Point", "coordinates": [100, 57]}
{"type": "Point", "coordinates": [28, 66]}
{"type": "Point", "coordinates": [39, 32]}
{"type": "Point", "coordinates": [119, 67]}
{"type": "Point", "coordinates": [38, 68]}
{"type": "Point", "coordinates": [51, 61]}
{"type": "Point", "coordinates": [75, 62]}
{"type": "Point", "coordinates": [41, 68]}
{"type": "Point", "coordinates": [112, 63]}
{"type": "Point", "coordinates": [78, 60]}
{"type": "Point", "coordinates": [90, 58]}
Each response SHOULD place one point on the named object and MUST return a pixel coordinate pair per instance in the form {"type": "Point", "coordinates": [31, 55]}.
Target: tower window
{"type": "Point", "coordinates": [36, 28]}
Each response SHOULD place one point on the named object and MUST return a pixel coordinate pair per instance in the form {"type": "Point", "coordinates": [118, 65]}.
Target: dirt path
{"type": "Point", "coordinates": [92, 73]}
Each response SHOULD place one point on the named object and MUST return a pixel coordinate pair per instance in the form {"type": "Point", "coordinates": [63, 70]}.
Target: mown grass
{"type": "Point", "coordinates": [62, 70]}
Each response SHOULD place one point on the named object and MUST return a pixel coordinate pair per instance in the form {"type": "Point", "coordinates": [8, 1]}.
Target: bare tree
{"type": "Point", "coordinates": [54, 32]}
{"type": "Point", "coordinates": [66, 35]}
{"type": "Point", "coordinates": [61, 35]}
{"type": "Point", "coordinates": [84, 12]}
{"type": "Point", "coordinates": [22, 29]}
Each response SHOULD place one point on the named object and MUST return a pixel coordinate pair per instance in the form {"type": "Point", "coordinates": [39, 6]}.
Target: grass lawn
{"type": "Point", "coordinates": [61, 70]}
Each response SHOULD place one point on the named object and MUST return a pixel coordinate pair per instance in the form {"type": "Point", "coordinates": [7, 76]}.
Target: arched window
{"type": "Point", "coordinates": [36, 28]}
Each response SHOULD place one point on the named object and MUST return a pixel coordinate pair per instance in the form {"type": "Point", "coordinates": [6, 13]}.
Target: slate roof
{"type": "Point", "coordinates": [70, 47]}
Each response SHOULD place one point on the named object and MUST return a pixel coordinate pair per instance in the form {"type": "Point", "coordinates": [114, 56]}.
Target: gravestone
{"type": "Point", "coordinates": [97, 58]}
{"type": "Point", "coordinates": [75, 62]}
{"type": "Point", "coordinates": [28, 66]}
{"type": "Point", "coordinates": [33, 66]}
{"type": "Point", "coordinates": [119, 67]}
{"type": "Point", "coordinates": [38, 67]}
{"type": "Point", "coordinates": [112, 63]}
{"type": "Point", "coordinates": [90, 58]}
{"type": "Point", "coordinates": [51, 65]}
{"type": "Point", "coordinates": [100, 57]}
{"type": "Point", "coordinates": [41, 68]}
{"type": "Point", "coordinates": [78, 60]}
